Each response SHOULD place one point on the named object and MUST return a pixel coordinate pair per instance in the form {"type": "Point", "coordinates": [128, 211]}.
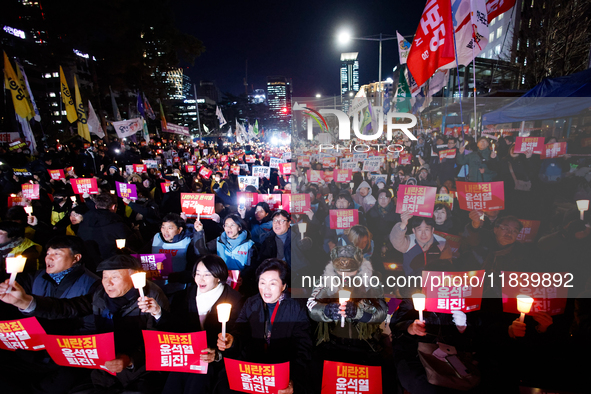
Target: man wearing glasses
{"type": "Point", "coordinates": [278, 243]}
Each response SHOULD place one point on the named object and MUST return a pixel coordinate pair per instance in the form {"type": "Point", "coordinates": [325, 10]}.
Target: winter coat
{"type": "Point", "coordinates": [475, 161]}
{"type": "Point", "coordinates": [103, 227]}
{"type": "Point", "coordinates": [269, 248]}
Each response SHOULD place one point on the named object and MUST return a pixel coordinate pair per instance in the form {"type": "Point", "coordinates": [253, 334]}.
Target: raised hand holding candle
{"type": "Point", "coordinates": [344, 296]}
{"type": "Point", "coordinates": [120, 243]}
{"type": "Point", "coordinates": [418, 301]}
{"type": "Point", "coordinates": [524, 303]}
{"type": "Point", "coordinates": [224, 315]}
{"type": "Point", "coordinates": [583, 205]}
{"type": "Point", "coordinates": [29, 210]}
{"type": "Point", "coordinates": [139, 281]}
{"type": "Point", "coordinates": [14, 265]}
{"type": "Point", "coordinates": [73, 198]}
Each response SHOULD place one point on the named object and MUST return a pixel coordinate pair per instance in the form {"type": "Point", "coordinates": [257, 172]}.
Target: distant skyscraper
{"type": "Point", "coordinates": [210, 90]}
{"type": "Point", "coordinates": [279, 90]}
{"type": "Point", "coordinates": [349, 72]}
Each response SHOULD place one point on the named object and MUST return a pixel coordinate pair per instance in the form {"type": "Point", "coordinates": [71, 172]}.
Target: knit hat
{"type": "Point", "coordinates": [346, 258]}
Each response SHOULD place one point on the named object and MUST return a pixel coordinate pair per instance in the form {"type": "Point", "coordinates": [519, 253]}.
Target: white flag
{"type": "Point", "coordinates": [438, 81]}
{"type": "Point", "coordinates": [470, 20]}
{"type": "Point", "coordinates": [218, 113]}
{"type": "Point", "coordinates": [94, 125]}
{"type": "Point", "coordinates": [125, 128]}
{"type": "Point", "coordinates": [403, 48]}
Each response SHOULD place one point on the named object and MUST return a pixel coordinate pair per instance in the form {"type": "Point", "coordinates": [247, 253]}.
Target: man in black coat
{"type": "Point", "coordinates": [278, 243]}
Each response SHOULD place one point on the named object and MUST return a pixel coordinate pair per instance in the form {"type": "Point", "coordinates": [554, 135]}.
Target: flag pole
{"type": "Point", "coordinates": [458, 79]}
{"type": "Point", "coordinates": [197, 109]}
{"type": "Point", "coordinates": [474, 71]}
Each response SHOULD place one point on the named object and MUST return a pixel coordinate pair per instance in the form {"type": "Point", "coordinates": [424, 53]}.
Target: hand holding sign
{"type": "Point", "coordinates": [119, 364]}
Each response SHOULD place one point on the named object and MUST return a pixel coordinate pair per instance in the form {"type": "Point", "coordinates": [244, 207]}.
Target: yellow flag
{"type": "Point", "coordinates": [22, 105]}
{"type": "Point", "coordinates": [23, 86]}
{"type": "Point", "coordinates": [67, 98]}
{"type": "Point", "coordinates": [82, 118]}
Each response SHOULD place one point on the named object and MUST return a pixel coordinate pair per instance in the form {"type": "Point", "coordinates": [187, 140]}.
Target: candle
{"type": "Point", "coordinates": [29, 210]}
{"type": "Point", "coordinates": [73, 198]}
{"type": "Point", "coordinates": [302, 228]}
{"type": "Point", "coordinates": [281, 207]}
{"type": "Point", "coordinates": [352, 184]}
{"type": "Point", "coordinates": [524, 303]}
{"type": "Point", "coordinates": [223, 316]}
{"type": "Point", "coordinates": [139, 281]}
{"type": "Point", "coordinates": [344, 296]}
{"type": "Point", "coordinates": [418, 301]}
{"type": "Point", "coordinates": [112, 191]}
{"type": "Point", "coordinates": [120, 243]}
{"type": "Point", "coordinates": [583, 205]}
{"type": "Point", "coordinates": [14, 265]}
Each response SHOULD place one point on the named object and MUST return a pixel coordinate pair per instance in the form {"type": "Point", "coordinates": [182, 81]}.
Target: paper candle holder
{"type": "Point", "coordinates": [15, 265]}
{"type": "Point", "coordinates": [224, 312]}
{"type": "Point", "coordinates": [419, 300]}
{"type": "Point", "coordinates": [524, 303]}
{"type": "Point", "coordinates": [120, 243]}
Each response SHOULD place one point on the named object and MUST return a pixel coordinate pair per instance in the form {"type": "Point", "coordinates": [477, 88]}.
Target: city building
{"type": "Point", "coordinates": [372, 91]}
{"type": "Point", "coordinates": [210, 90]}
{"type": "Point", "coordinates": [349, 72]}
{"type": "Point", "coordinates": [279, 93]}
{"type": "Point", "coordinates": [258, 96]}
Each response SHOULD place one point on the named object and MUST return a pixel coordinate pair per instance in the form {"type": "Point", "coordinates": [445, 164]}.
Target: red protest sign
{"type": "Point", "coordinates": [453, 241]}
{"type": "Point", "coordinates": [535, 144]}
{"type": "Point", "coordinates": [529, 231]}
{"type": "Point", "coordinates": [327, 176]}
{"type": "Point", "coordinates": [419, 200]}
{"type": "Point", "coordinates": [250, 199]}
{"type": "Point", "coordinates": [224, 158]}
{"type": "Point", "coordinates": [198, 203]}
{"type": "Point", "coordinates": [342, 176]}
{"type": "Point", "coordinates": [341, 219]}
{"type": "Point", "coordinates": [314, 176]}
{"type": "Point", "coordinates": [84, 185]}
{"type": "Point", "coordinates": [447, 154]}
{"type": "Point", "coordinates": [235, 170]}
{"type": "Point", "coordinates": [139, 168]}
{"type": "Point", "coordinates": [453, 291]}
{"type": "Point", "coordinates": [250, 159]}
{"type": "Point", "coordinates": [189, 168]}
{"type": "Point", "coordinates": [166, 351]}
{"type": "Point", "coordinates": [165, 186]}
{"type": "Point", "coordinates": [300, 203]}
{"type": "Point", "coordinates": [551, 151]}
{"type": "Point", "coordinates": [82, 351]}
{"type": "Point", "coordinates": [30, 191]}
{"type": "Point", "coordinates": [286, 202]}
{"type": "Point", "coordinates": [56, 174]}
{"type": "Point", "coordinates": [329, 162]}
{"type": "Point", "coordinates": [484, 196]}
{"type": "Point", "coordinates": [304, 161]}
{"type": "Point", "coordinates": [16, 201]}
{"type": "Point", "coordinates": [274, 200]}
{"type": "Point", "coordinates": [24, 334]}
{"type": "Point", "coordinates": [256, 378]}
{"type": "Point", "coordinates": [176, 159]}
{"type": "Point", "coordinates": [404, 159]}
{"type": "Point", "coordinates": [285, 168]}
{"type": "Point", "coordinates": [340, 377]}
{"type": "Point", "coordinates": [205, 172]}
{"type": "Point", "coordinates": [546, 288]}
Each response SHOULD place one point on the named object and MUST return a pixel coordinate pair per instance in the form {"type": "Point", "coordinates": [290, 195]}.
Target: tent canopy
{"type": "Point", "coordinates": [552, 98]}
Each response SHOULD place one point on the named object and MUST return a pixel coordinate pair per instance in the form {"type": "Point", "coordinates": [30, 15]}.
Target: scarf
{"type": "Point", "coordinates": [60, 275]}
{"type": "Point", "coordinates": [205, 301]}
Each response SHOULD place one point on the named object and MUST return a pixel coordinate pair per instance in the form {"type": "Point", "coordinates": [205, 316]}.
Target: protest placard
{"type": "Point", "coordinates": [484, 196]}
{"type": "Point", "coordinates": [419, 200]}
{"type": "Point", "coordinates": [167, 351]}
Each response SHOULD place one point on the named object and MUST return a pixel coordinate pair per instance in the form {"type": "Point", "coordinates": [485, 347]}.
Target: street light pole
{"type": "Point", "coordinates": [380, 74]}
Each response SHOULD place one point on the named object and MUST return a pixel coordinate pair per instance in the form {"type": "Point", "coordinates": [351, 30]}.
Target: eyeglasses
{"type": "Point", "coordinates": [279, 221]}
{"type": "Point", "coordinates": [510, 230]}
{"type": "Point", "coordinates": [383, 198]}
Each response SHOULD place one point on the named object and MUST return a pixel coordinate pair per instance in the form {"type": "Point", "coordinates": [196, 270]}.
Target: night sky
{"type": "Point", "coordinates": [296, 39]}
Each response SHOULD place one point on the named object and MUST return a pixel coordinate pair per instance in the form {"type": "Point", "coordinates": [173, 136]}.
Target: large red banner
{"type": "Point", "coordinates": [419, 200]}
{"type": "Point", "coordinates": [82, 351]}
{"type": "Point", "coordinates": [535, 144]}
{"type": "Point", "coordinates": [341, 219]}
{"type": "Point", "coordinates": [541, 286]}
{"type": "Point", "coordinates": [26, 334]}
{"type": "Point", "coordinates": [484, 196]}
{"type": "Point", "coordinates": [256, 378]}
{"type": "Point", "coordinates": [166, 351]}
{"type": "Point", "coordinates": [84, 185]}
{"type": "Point", "coordinates": [338, 378]}
{"type": "Point", "coordinates": [551, 151]}
{"type": "Point", "coordinates": [495, 8]}
{"type": "Point", "coordinates": [453, 291]}
{"type": "Point", "coordinates": [198, 203]}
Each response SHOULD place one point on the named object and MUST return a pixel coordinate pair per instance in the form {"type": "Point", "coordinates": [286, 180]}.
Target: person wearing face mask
{"type": "Point", "coordinates": [235, 247]}
{"type": "Point", "coordinates": [272, 328]}
{"type": "Point", "coordinates": [61, 207]}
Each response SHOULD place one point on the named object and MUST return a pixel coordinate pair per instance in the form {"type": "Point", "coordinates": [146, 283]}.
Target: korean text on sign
{"type": "Point", "coordinates": [344, 378]}
{"type": "Point", "coordinates": [300, 203]}
{"type": "Point", "coordinates": [197, 203]}
{"type": "Point", "coordinates": [540, 286]}
{"type": "Point", "coordinates": [56, 174]}
{"type": "Point", "coordinates": [524, 144]}
{"type": "Point", "coordinates": [341, 219]}
{"type": "Point", "coordinates": [26, 334]}
{"type": "Point", "coordinates": [126, 190]}
{"type": "Point", "coordinates": [485, 196]}
{"type": "Point", "coordinates": [418, 200]}
{"type": "Point", "coordinates": [244, 181]}
{"type": "Point", "coordinates": [30, 191]}
{"type": "Point", "coordinates": [84, 185]}
{"type": "Point", "coordinates": [453, 291]}
{"type": "Point", "coordinates": [167, 351]}
{"type": "Point", "coordinates": [257, 378]}
{"type": "Point", "coordinates": [86, 351]}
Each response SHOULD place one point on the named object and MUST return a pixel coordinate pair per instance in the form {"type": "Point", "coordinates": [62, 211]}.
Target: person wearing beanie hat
{"type": "Point", "coordinates": [363, 196]}
{"type": "Point", "coordinates": [116, 307]}
{"type": "Point", "coordinates": [479, 162]}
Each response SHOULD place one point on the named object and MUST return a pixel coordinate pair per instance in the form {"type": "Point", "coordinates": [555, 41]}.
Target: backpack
{"type": "Point", "coordinates": [550, 172]}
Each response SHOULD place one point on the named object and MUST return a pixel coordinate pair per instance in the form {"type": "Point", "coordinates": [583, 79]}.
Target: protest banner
{"type": "Point", "coordinates": [14, 201]}
{"type": "Point", "coordinates": [244, 167]}
{"type": "Point", "coordinates": [447, 154]}
{"type": "Point", "coordinates": [286, 168]}
{"type": "Point", "coordinates": [244, 181]}
{"type": "Point", "coordinates": [151, 163]}
{"type": "Point", "coordinates": [342, 176]}
{"type": "Point", "coordinates": [261, 172]}
{"type": "Point", "coordinates": [256, 378]}
{"type": "Point", "coordinates": [453, 291]}
{"type": "Point", "coordinates": [372, 165]}
{"type": "Point", "coordinates": [167, 351]}
{"type": "Point", "coordinates": [140, 168]}
{"type": "Point", "coordinates": [190, 169]}
{"type": "Point", "coordinates": [484, 196]}
{"type": "Point", "coordinates": [338, 377]}
{"type": "Point", "coordinates": [126, 190]}
{"type": "Point", "coordinates": [82, 351]}
{"type": "Point", "coordinates": [328, 176]}
{"type": "Point", "coordinates": [274, 200]}
{"type": "Point", "coordinates": [274, 162]}
{"type": "Point", "coordinates": [235, 170]}
{"type": "Point", "coordinates": [165, 187]}
{"type": "Point", "coordinates": [205, 172]}
{"type": "Point", "coordinates": [551, 151]}
{"type": "Point", "coordinates": [21, 172]}
{"type": "Point", "coordinates": [30, 191]}
{"type": "Point", "coordinates": [84, 185]}
{"type": "Point", "coordinates": [360, 156]}
{"type": "Point", "coordinates": [341, 219]}
{"type": "Point", "coordinates": [304, 161]}
{"type": "Point", "coordinates": [157, 266]}
{"type": "Point", "coordinates": [300, 203]}
{"type": "Point", "coordinates": [329, 162]}
{"type": "Point", "coordinates": [546, 288]}
{"type": "Point", "coordinates": [250, 199]}
{"type": "Point", "coordinates": [250, 159]}
{"type": "Point", "coordinates": [535, 144]}
{"type": "Point", "coordinates": [529, 231]}
{"type": "Point", "coordinates": [26, 334]}
{"type": "Point", "coordinates": [314, 176]}
{"type": "Point", "coordinates": [56, 175]}
{"type": "Point", "coordinates": [351, 165]}
{"type": "Point", "coordinates": [404, 159]}
{"type": "Point", "coordinates": [419, 200]}
{"type": "Point", "coordinates": [224, 158]}
{"type": "Point", "coordinates": [286, 202]}
{"type": "Point", "coordinates": [193, 204]}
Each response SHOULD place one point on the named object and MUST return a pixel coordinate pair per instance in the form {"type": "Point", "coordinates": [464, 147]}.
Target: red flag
{"type": "Point", "coordinates": [433, 45]}
{"type": "Point", "coordinates": [498, 7]}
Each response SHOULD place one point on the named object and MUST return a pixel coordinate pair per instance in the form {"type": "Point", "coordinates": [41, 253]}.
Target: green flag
{"type": "Point", "coordinates": [256, 127]}
{"type": "Point", "coordinates": [403, 96]}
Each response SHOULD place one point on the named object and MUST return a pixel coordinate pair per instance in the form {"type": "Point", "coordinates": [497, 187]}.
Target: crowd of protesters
{"type": "Point", "coordinates": [77, 280]}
